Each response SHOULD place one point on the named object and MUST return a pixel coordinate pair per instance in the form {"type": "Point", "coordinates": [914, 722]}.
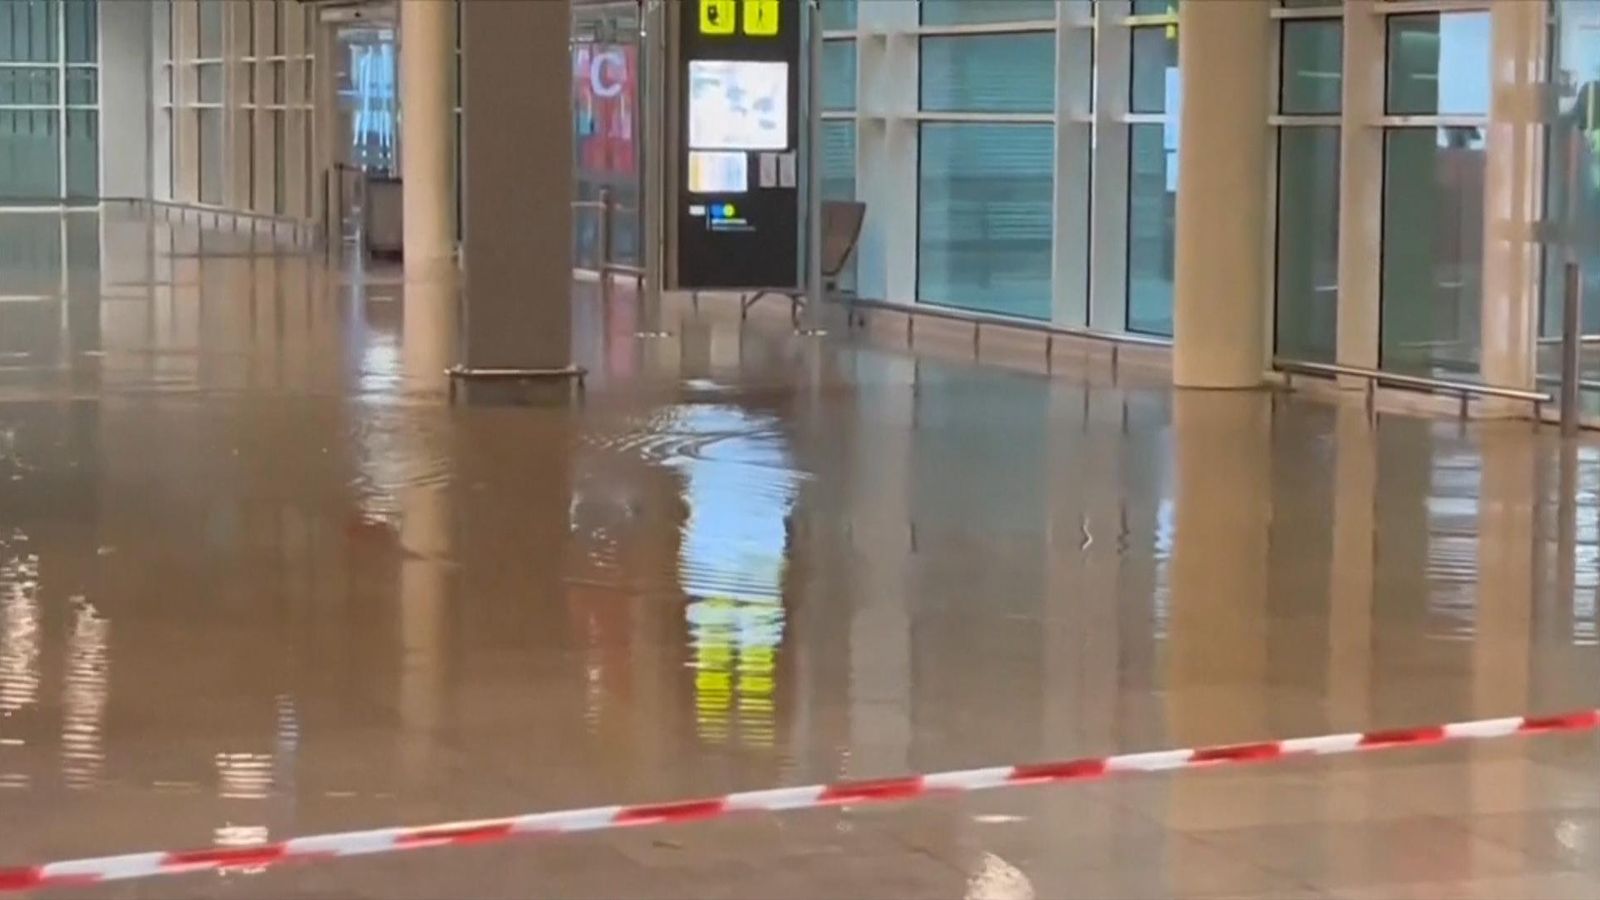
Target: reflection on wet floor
{"type": "Point", "coordinates": [258, 578]}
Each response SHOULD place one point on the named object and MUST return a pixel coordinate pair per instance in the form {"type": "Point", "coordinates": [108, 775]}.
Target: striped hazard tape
{"type": "Point", "coordinates": [392, 840]}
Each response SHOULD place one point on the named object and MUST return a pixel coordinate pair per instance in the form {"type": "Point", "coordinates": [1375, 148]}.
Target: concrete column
{"type": "Point", "coordinates": [427, 126]}
{"type": "Point", "coordinates": [127, 73]}
{"type": "Point", "coordinates": [1219, 308]}
{"type": "Point", "coordinates": [887, 140]}
{"type": "Point", "coordinates": [1513, 195]}
{"type": "Point", "coordinates": [517, 181]}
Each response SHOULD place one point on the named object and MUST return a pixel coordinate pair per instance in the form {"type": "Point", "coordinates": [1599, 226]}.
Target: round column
{"type": "Point", "coordinates": [1219, 325]}
{"type": "Point", "coordinates": [427, 129]}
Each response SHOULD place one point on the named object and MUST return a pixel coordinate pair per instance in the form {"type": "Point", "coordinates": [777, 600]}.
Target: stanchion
{"type": "Point", "coordinates": [603, 265]}
{"type": "Point", "coordinates": [1571, 348]}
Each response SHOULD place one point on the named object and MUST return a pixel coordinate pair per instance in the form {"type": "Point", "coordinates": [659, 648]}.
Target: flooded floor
{"type": "Point", "coordinates": [258, 578]}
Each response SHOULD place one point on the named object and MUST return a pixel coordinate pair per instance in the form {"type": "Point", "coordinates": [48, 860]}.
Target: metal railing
{"type": "Point", "coordinates": [1375, 378]}
{"type": "Point", "coordinates": [300, 232]}
{"type": "Point", "coordinates": [978, 320]}
{"type": "Point", "coordinates": [605, 266]}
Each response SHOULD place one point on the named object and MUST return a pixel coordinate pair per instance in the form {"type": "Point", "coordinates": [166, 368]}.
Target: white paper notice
{"type": "Point", "coordinates": [769, 170]}
{"type": "Point", "coordinates": [786, 170]}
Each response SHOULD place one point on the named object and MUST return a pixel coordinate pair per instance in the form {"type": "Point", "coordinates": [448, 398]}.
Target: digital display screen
{"type": "Point", "coordinates": [719, 172]}
{"type": "Point", "coordinates": [738, 105]}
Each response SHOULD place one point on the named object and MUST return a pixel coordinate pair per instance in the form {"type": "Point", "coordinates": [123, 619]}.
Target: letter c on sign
{"type": "Point", "coordinates": [598, 83]}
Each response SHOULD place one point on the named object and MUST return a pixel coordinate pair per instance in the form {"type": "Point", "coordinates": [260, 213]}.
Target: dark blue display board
{"type": "Point", "coordinates": [738, 142]}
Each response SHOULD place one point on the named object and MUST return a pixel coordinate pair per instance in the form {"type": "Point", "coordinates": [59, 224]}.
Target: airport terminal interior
{"type": "Point", "coordinates": [986, 449]}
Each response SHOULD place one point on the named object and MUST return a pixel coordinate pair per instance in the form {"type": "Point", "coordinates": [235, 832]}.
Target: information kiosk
{"type": "Point", "coordinates": [737, 163]}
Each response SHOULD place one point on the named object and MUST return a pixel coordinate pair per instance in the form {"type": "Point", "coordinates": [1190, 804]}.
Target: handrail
{"type": "Point", "coordinates": [301, 232]}
{"type": "Point", "coordinates": [601, 204]}
{"type": "Point", "coordinates": [1374, 377]}
{"type": "Point", "coordinates": [605, 268]}
{"type": "Point", "coordinates": [1005, 321]}
{"type": "Point", "coordinates": [224, 211]}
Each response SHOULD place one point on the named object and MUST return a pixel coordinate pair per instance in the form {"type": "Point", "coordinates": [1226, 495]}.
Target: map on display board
{"type": "Point", "coordinates": [738, 105]}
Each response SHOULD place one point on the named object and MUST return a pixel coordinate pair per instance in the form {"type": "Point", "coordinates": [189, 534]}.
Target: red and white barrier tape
{"type": "Point", "coordinates": [392, 840]}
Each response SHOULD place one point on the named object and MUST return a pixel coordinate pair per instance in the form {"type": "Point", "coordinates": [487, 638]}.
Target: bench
{"type": "Point", "coordinates": [841, 231]}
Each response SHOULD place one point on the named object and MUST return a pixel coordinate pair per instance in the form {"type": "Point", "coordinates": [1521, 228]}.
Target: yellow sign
{"type": "Point", "coordinates": [717, 16]}
{"type": "Point", "coordinates": [761, 18]}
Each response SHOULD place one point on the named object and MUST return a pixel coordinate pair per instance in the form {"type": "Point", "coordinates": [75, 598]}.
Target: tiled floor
{"type": "Point", "coordinates": [258, 578]}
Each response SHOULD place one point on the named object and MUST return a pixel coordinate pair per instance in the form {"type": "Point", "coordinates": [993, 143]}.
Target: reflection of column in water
{"type": "Point", "coordinates": [84, 696]}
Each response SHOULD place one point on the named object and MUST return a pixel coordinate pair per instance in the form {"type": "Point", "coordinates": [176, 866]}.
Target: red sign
{"type": "Point", "coordinates": [605, 94]}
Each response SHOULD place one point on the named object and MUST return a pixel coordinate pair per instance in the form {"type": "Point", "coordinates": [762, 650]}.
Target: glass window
{"type": "Point", "coordinates": [984, 217]}
{"type": "Point", "coordinates": [1155, 82]}
{"type": "Point", "coordinates": [28, 85]}
{"type": "Point", "coordinates": [30, 154]}
{"type": "Point", "coordinates": [83, 153]}
{"type": "Point", "coordinates": [161, 13]}
{"type": "Point", "coordinates": [245, 30]}
{"type": "Point", "coordinates": [83, 35]}
{"type": "Point", "coordinates": [839, 177]}
{"type": "Point", "coordinates": [1155, 7]}
{"type": "Point", "coordinates": [210, 149]}
{"type": "Point", "coordinates": [268, 36]}
{"type": "Point", "coordinates": [1313, 67]}
{"type": "Point", "coordinates": [1308, 243]}
{"type": "Point", "coordinates": [83, 86]}
{"type": "Point", "coordinates": [838, 160]}
{"type": "Point", "coordinates": [1432, 249]}
{"type": "Point", "coordinates": [285, 26]}
{"type": "Point", "coordinates": [280, 177]}
{"type": "Point", "coordinates": [839, 75]}
{"type": "Point", "coordinates": [838, 15]}
{"type": "Point", "coordinates": [969, 12]}
{"type": "Point", "coordinates": [1152, 215]}
{"type": "Point", "coordinates": [208, 78]}
{"type": "Point", "coordinates": [209, 37]}
{"type": "Point", "coordinates": [28, 31]}
{"type": "Point", "coordinates": [1439, 64]}
{"type": "Point", "coordinates": [989, 73]}
{"type": "Point", "coordinates": [1573, 177]}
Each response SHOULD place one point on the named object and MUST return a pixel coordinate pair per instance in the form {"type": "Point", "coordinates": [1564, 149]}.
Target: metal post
{"type": "Point", "coordinates": [652, 107]}
{"type": "Point", "coordinates": [604, 263]}
{"type": "Point", "coordinates": [813, 94]}
{"type": "Point", "coordinates": [1571, 347]}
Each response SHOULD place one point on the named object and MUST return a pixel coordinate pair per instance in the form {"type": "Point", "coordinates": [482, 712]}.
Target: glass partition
{"type": "Point", "coordinates": [49, 101]}
{"type": "Point", "coordinates": [1573, 196]}
{"type": "Point", "coordinates": [606, 129]}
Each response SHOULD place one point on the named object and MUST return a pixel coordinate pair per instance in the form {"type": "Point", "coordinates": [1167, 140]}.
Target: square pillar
{"type": "Point", "coordinates": [517, 184]}
{"type": "Point", "coordinates": [1219, 336]}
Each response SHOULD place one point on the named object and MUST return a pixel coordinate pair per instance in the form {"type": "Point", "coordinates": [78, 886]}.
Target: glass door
{"type": "Point", "coordinates": [606, 130]}
{"type": "Point", "coordinates": [1573, 201]}
{"type": "Point", "coordinates": [367, 106]}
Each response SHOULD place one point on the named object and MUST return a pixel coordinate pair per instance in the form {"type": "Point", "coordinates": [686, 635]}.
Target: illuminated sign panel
{"type": "Point", "coordinates": [761, 18]}
{"type": "Point", "coordinates": [717, 16]}
{"type": "Point", "coordinates": [738, 200]}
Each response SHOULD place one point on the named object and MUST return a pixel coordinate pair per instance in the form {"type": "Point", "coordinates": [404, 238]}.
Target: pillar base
{"type": "Point", "coordinates": [577, 372]}
{"type": "Point", "coordinates": [569, 376]}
